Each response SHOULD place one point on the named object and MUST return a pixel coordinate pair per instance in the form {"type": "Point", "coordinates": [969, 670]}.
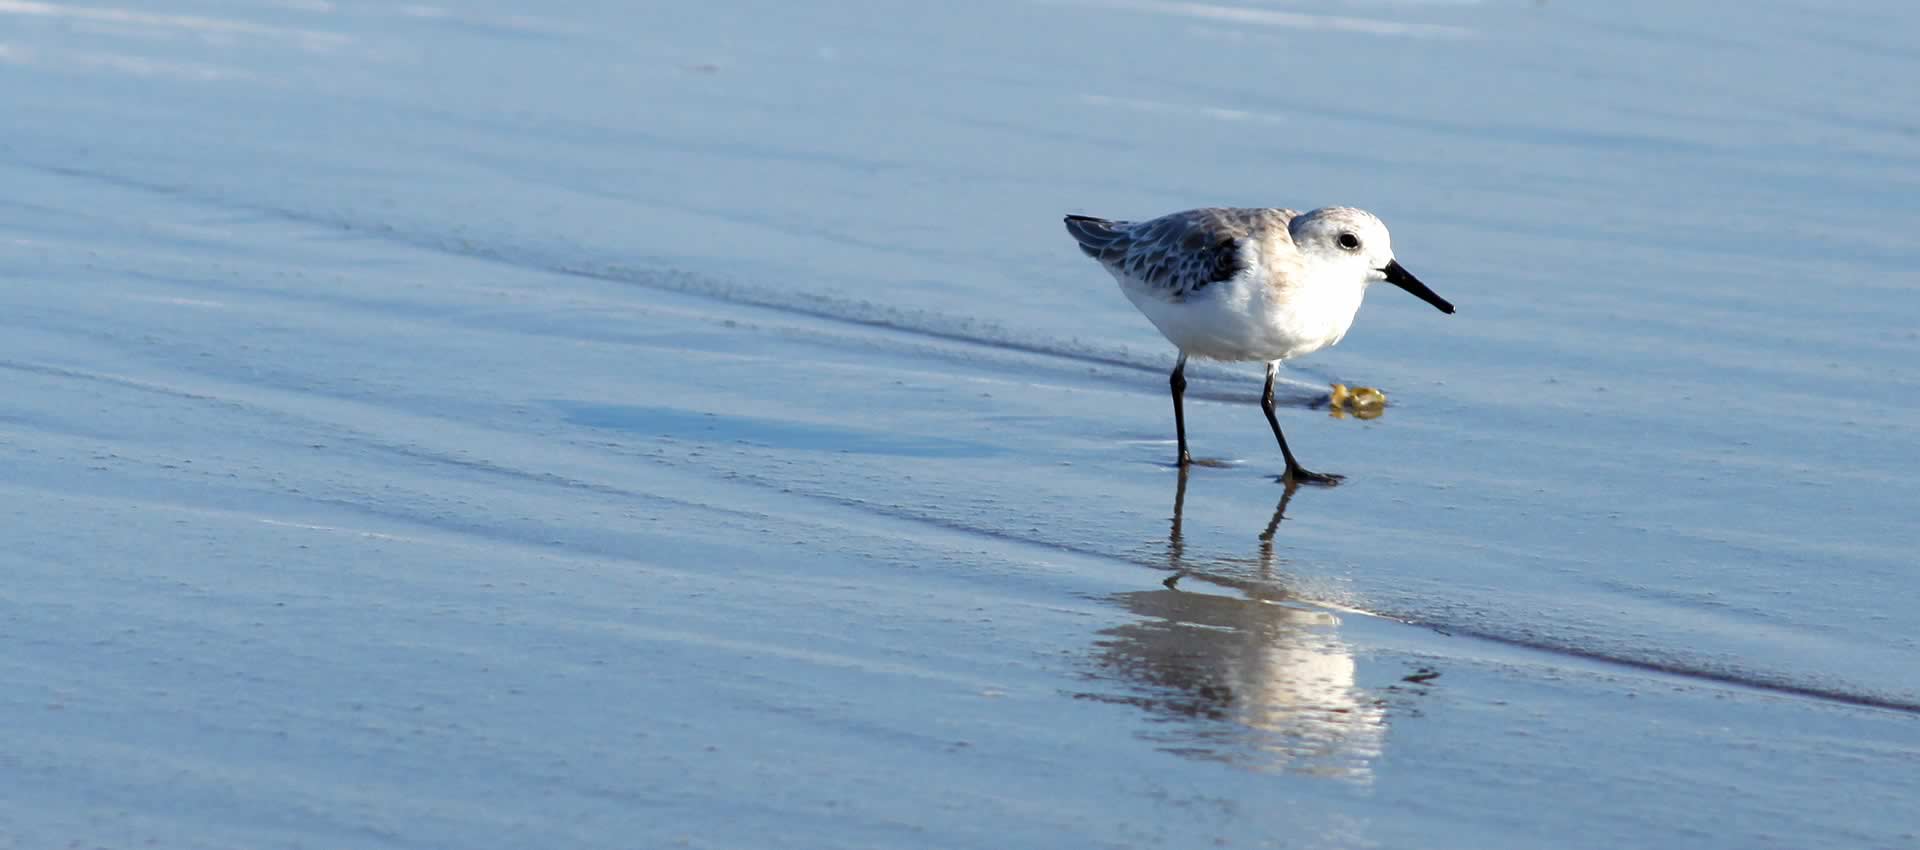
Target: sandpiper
{"type": "Point", "coordinates": [1248, 284]}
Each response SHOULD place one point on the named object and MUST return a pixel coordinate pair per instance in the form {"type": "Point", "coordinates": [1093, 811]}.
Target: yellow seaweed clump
{"type": "Point", "coordinates": [1362, 402]}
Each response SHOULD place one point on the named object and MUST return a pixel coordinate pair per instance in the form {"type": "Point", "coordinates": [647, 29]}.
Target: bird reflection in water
{"type": "Point", "coordinates": [1247, 676]}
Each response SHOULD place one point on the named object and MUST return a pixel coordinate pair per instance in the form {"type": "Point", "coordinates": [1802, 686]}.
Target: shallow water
{"type": "Point", "coordinates": [611, 427]}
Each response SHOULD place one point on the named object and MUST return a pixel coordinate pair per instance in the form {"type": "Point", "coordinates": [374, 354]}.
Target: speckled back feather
{"type": "Point", "coordinates": [1178, 254]}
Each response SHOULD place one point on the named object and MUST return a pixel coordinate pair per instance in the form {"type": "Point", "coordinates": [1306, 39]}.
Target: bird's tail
{"type": "Point", "coordinates": [1095, 235]}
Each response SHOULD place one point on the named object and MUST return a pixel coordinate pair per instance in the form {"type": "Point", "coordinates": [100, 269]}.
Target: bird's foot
{"type": "Point", "coordinates": [1301, 475]}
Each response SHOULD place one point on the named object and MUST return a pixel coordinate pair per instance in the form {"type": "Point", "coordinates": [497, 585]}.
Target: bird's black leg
{"type": "Point", "coordinates": [1295, 472]}
{"type": "Point", "coordinates": [1178, 380]}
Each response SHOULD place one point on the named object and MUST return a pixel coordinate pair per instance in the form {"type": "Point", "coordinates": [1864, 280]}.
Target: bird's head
{"type": "Point", "coordinates": [1344, 237]}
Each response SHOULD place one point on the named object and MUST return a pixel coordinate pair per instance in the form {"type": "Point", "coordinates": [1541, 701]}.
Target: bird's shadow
{"type": "Point", "coordinates": [1305, 398]}
{"type": "Point", "coordinates": [1203, 462]}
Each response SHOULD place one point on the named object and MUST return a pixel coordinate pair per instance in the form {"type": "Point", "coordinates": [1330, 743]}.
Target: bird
{"type": "Point", "coordinates": [1245, 284]}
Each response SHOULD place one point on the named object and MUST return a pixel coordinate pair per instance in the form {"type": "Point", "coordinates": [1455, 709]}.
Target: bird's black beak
{"type": "Point", "coordinates": [1399, 276]}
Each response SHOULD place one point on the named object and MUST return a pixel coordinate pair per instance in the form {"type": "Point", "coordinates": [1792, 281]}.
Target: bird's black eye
{"type": "Point", "coordinates": [1349, 241]}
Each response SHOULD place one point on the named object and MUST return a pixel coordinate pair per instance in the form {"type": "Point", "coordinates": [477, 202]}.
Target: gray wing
{"type": "Point", "coordinates": [1177, 254]}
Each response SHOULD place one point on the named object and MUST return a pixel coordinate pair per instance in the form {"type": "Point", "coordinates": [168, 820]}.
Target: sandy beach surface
{"type": "Point", "coordinates": [620, 425]}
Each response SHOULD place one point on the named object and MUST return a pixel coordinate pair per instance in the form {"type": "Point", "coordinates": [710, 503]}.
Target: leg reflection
{"type": "Point", "coordinates": [1176, 540]}
{"type": "Point", "coordinates": [1273, 525]}
{"type": "Point", "coordinates": [1176, 547]}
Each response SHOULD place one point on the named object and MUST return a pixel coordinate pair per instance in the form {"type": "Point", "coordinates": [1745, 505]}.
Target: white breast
{"type": "Point", "coordinates": [1311, 317]}
{"type": "Point", "coordinates": [1246, 318]}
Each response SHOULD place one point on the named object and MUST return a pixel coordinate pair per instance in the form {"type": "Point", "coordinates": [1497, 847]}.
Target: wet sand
{"type": "Point", "coordinates": [689, 427]}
